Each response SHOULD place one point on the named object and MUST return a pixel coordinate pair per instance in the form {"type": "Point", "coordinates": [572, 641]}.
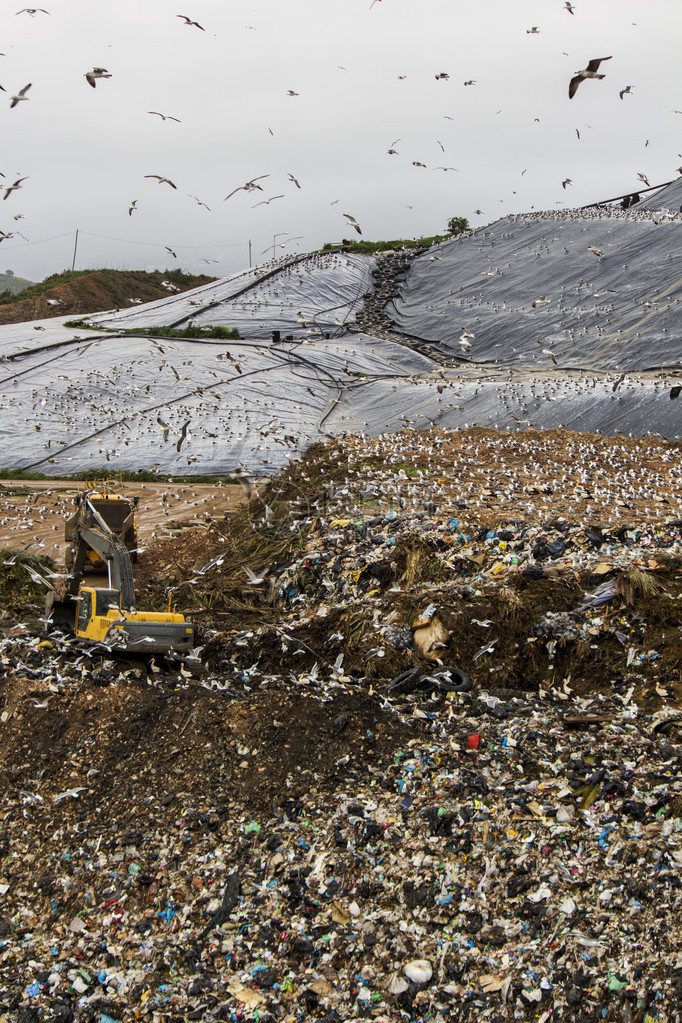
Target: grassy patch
{"type": "Point", "coordinates": [108, 280]}
{"type": "Point", "coordinates": [121, 476]}
{"type": "Point", "coordinates": [53, 281]}
{"type": "Point", "coordinates": [368, 248]}
{"type": "Point", "coordinates": [223, 333]}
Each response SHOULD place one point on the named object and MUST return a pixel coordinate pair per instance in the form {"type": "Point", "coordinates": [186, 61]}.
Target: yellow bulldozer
{"type": "Point", "coordinates": [103, 535]}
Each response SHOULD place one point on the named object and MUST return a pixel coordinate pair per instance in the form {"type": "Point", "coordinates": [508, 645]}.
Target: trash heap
{"type": "Point", "coordinates": [430, 770]}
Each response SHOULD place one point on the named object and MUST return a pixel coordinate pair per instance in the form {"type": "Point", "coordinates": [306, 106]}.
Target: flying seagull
{"type": "Point", "coordinates": [12, 188]}
{"type": "Point", "coordinates": [188, 21]}
{"type": "Point", "coordinates": [644, 179]}
{"type": "Point", "coordinates": [21, 95]}
{"type": "Point", "coordinates": [569, 7]}
{"type": "Point", "coordinates": [250, 186]}
{"type": "Point", "coordinates": [266, 202]}
{"type": "Point", "coordinates": [353, 221]}
{"type": "Point", "coordinates": [161, 181]}
{"type": "Point", "coordinates": [164, 117]}
{"type": "Point", "coordinates": [171, 252]}
{"type": "Point", "coordinates": [33, 10]}
{"type": "Point", "coordinates": [132, 208]}
{"type": "Point", "coordinates": [589, 72]}
{"type": "Point", "coordinates": [293, 180]}
{"type": "Point", "coordinates": [628, 88]}
{"type": "Point", "coordinates": [97, 72]}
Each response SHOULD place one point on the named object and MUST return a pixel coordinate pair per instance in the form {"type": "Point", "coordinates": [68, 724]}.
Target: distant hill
{"type": "Point", "coordinates": [92, 291]}
{"type": "Point", "coordinates": [8, 282]}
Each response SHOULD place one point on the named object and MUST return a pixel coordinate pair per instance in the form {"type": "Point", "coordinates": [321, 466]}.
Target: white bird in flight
{"type": "Point", "coordinates": [589, 72]}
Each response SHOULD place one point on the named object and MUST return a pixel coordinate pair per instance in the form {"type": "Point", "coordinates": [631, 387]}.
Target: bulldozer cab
{"type": "Point", "coordinates": [97, 608]}
{"type": "Point", "coordinates": [100, 619]}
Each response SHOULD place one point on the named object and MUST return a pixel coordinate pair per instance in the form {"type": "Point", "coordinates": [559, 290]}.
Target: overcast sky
{"type": "Point", "coordinates": [365, 82]}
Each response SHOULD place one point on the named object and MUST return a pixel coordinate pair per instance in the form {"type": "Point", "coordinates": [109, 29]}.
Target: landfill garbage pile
{"type": "Point", "coordinates": [430, 769]}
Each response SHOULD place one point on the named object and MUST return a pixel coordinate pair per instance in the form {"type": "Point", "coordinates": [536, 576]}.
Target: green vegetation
{"type": "Point", "coordinates": [224, 333]}
{"type": "Point", "coordinates": [50, 282]}
{"type": "Point", "coordinates": [123, 475]}
{"type": "Point", "coordinates": [457, 225]}
{"type": "Point", "coordinates": [11, 285]}
{"type": "Point", "coordinates": [21, 597]}
{"type": "Point", "coordinates": [368, 248]}
{"type": "Point", "coordinates": [178, 277]}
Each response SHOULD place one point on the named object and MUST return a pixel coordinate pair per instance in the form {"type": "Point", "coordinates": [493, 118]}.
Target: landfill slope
{"type": "Point", "coordinates": [552, 320]}
{"type": "Point", "coordinates": [430, 769]}
{"type": "Point", "coordinates": [594, 289]}
{"type": "Point", "coordinates": [305, 296]}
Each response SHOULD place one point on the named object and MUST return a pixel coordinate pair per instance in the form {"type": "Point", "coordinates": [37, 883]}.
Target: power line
{"type": "Point", "coordinates": [22, 245]}
{"type": "Point", "coordinates": [162, 245]}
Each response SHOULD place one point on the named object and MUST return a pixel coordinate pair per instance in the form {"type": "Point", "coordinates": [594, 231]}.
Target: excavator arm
{"type": "Point", "coordinates": [108, 615]}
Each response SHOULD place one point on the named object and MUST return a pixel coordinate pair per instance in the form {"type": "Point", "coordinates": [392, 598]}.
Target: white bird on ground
{"type": "Point", "coordinates": [74, 793]}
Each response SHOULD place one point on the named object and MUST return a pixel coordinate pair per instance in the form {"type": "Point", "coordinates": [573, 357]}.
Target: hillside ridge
{"type": "Point", "coordinates": [100, 290]}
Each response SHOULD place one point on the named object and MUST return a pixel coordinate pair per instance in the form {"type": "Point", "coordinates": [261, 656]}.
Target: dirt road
{"type": "Point", "coordinates": [32, 514]}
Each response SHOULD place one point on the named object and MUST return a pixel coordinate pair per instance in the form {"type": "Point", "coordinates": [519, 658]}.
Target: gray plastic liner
{"type": "Point", "coordinates": [594, 289]}
{"type": "Point", "coordinates": [668, 199]}
{"type": "Point", "coordinates": [128, 402]}
{"type": "Point", "coordinates": [302, 296]}
{"type": "Point", "coordinates": [122, 401]}
{"type": "Point", "coordinates": [524, 289]}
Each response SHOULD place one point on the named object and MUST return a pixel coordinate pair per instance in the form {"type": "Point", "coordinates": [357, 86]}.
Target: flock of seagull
{"type": "Point", "coordinates": [98, 74]}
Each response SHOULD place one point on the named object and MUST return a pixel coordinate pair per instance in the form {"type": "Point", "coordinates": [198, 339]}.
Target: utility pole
{"type": "Point", "coordinates": [75, 246]}
{"type": "Point", "coordinates": [280, 234]}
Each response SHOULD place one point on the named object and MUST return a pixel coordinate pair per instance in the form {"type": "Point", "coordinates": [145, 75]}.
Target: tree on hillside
{"type": "Point", "coordinates": [457, 225]}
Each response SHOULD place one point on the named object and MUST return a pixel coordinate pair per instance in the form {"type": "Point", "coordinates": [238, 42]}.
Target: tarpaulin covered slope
{"type": "Point", "coordinates": [597, 289]}
{"type": "Point", "coordinates": [668, 198]}
{"type": "Point", "coordinates": [315, 293]}
{"type": "Point", "coordinates": [128, 402]}
{"type": "Point", "coordinates": [124, 401]}
{"type": "Point", "coordinates": [73, 399]}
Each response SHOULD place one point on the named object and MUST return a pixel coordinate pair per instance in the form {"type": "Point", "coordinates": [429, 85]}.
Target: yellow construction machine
{"type": "Point", "coordinates": [106, 614]}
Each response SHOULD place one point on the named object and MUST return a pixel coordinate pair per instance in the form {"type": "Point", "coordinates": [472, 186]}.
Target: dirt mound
{"type": "Point", "coordinates": [97, 291]}
{"type": "Point", "coordinates": [126, 736]}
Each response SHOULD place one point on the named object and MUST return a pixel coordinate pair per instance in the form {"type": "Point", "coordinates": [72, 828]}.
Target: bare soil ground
{"type": "Point", "coordinates": [33, 513]}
